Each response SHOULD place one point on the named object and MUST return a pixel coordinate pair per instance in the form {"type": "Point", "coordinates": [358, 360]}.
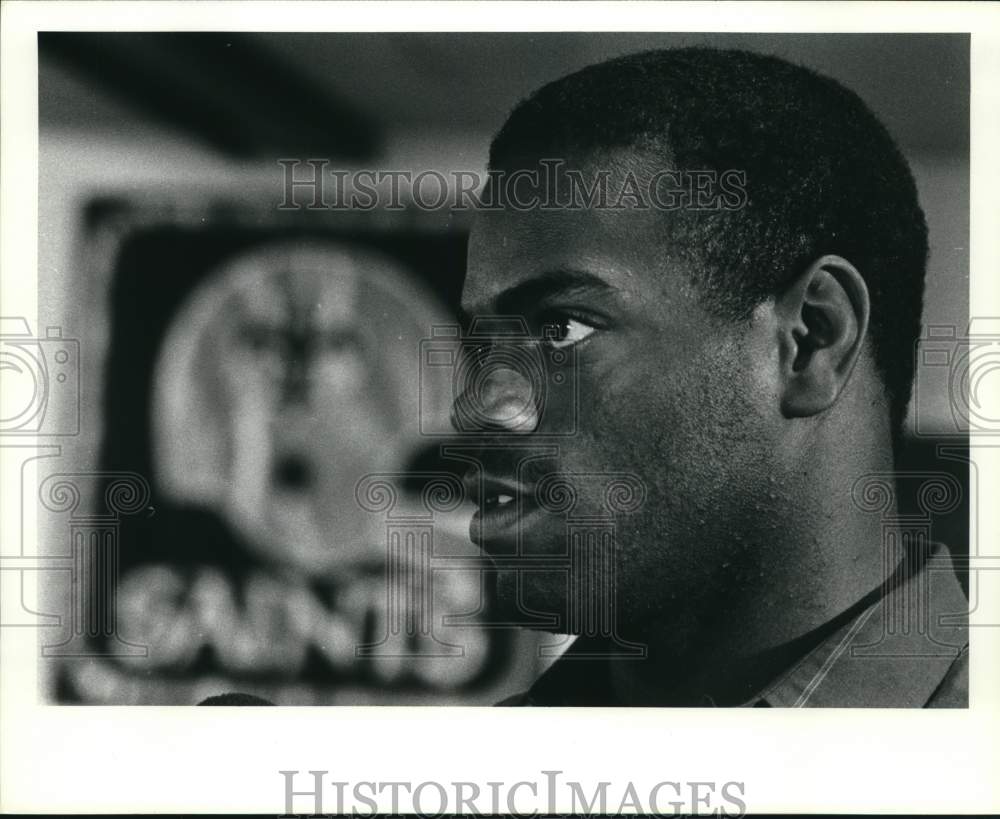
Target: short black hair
{"type": "Point", "coordinates": [823, 175]}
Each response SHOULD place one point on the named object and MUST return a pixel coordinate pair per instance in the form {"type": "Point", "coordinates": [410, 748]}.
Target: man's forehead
{"type": "Point", "coordinates": [509, 249]}
{"type": "Point", "coordinates": [589, 217]}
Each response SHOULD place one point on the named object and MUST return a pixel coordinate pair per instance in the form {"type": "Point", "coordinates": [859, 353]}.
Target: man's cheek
{"type": "Point", "coordinates": [626, 429]}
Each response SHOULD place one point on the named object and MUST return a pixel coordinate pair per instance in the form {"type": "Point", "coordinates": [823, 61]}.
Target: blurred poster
{"type": "Point", "coordinates": [286, 378]}
{"type": "Point", "coordinates": [303, 544]}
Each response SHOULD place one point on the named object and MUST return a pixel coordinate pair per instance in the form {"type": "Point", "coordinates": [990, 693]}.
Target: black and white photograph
{"type": "Point", "coordinates": [580, 375]}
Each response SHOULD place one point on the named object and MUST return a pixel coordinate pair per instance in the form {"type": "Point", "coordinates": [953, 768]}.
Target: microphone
{"type": "Point", "coordinates": [235, 698]}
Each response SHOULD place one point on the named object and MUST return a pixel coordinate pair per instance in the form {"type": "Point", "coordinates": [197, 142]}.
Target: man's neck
{"type": "Point", "coordinates": [828, 565]}
{"type": "Point", "coordinates": [709, 680]}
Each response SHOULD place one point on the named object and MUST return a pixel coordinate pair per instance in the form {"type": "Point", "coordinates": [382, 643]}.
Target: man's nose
{"type": "Point", "coordinates": [499, 398]}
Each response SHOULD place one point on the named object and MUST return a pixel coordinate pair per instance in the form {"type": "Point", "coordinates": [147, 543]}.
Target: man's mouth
{"type": "Point", "coordinates": [493, 501]}
{"type": "Point", "coordinates": [504, 509]}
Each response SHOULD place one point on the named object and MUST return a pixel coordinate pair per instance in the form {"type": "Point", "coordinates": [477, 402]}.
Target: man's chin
{"type": "Point", "coordinates": [530, 600]}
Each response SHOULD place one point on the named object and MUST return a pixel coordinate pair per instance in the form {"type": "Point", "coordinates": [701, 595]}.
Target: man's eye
{"type": "Point", "coordinates": [566, 331]}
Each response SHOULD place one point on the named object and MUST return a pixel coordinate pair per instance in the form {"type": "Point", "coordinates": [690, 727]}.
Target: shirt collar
{"type": "Point", "coordinates": [894, 653]}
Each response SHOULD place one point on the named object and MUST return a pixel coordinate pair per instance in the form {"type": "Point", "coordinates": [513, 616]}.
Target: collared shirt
{"type": "Point", "coordinates": [907, 649]}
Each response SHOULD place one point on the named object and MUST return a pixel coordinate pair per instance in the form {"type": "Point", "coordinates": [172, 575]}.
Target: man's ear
{"type": "Point", "coordinates": [822, 321]}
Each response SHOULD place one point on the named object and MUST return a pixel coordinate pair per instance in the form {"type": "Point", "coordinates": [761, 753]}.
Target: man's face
{"type": "Point", "coordinates": [666, 398]}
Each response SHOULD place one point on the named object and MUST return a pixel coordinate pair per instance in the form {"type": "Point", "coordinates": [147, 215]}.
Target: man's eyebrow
{"type": "Point", "coordinates": [561, 281]}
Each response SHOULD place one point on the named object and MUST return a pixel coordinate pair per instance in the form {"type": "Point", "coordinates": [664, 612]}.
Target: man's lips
{"type": "Point", "coordinates": [503, 508]}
